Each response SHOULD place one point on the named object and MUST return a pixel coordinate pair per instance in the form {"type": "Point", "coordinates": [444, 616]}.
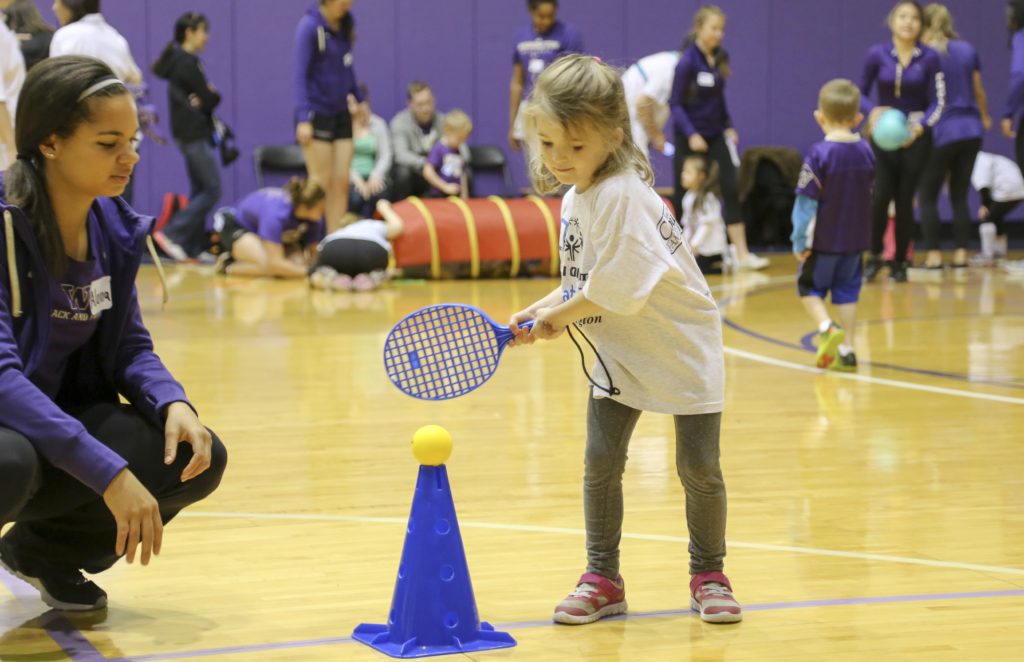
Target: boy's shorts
{"type": "Point", "coordinates": [839, 273]}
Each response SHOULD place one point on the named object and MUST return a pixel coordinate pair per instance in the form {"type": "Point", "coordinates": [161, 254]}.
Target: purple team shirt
{"type": "Point", "coordinates": [534, 52]}
{"type": "Point", "coordinates": [268, 213]}
{"type": "Point", "coordinates": [961, 119]}
{"type": "Point", "coordinates": [918, 88]}
{"type": "Point", "coordinates": [77, 300]}
{"type": "Point", "coordinates": [840, 176]}
{"type": "Point", "coordinates": [698, 96]}
{"type": "Point", "coordinates": [447, 162]}
{"type": "Point", "coordinates": [323, 71]}
{"type": "Point", "coordinates": [1015, 98]}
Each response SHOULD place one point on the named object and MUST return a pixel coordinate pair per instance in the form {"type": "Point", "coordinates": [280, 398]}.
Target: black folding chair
{"type": "Point", "coordinates": [490, 158]}
{"type": "Point", "coordinates": [278, 158]}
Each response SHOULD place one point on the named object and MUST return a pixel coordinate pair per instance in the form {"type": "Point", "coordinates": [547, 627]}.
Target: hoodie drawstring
{"type": "Point", "coordinates": [159, 267]}
{"type": "Point", "coordinates": [12, 265]}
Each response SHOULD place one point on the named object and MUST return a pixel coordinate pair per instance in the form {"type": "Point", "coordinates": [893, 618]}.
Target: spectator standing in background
{"type": "Point", "coordinates": [324, 80]}
{"type": "Point", "coordinates": [538, 44]}
{"type": "Point", "coordinates": [34, 34]}
{"type": "Point", "coordinates": [192, 100]}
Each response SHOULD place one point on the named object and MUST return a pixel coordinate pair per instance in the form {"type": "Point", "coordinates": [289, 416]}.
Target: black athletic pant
{"type": "Point", "coordinates": [956, 160]}
{"type": "Point", "coordinates": [407, 181]}
{"type": "Point", "coordinates": [997, 211]}
{"type": "Point", "coordinates": [896, 177]}
{"type": "Point", "coordinates": [63, 523]}
{"type": "Point", "coordinates": [718, 152]}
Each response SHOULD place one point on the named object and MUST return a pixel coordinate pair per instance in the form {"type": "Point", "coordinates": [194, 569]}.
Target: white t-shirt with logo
{"type": "Point", "coordinates": [661, 335]}
{"type": "Point", "coordinates": [704, 228]}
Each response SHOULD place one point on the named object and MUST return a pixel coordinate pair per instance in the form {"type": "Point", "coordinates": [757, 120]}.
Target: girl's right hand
{"type": "Point", "coordinates": [137, 515]}
{"type": "Point", "coordinates": [522, 336]}
{"type": "Point", "coordinates": [697, 143]}
{"type": "Point", "coordinates": [304, 133]}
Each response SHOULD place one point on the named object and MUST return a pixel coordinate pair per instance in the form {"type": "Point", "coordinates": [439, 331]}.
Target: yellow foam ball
{"type": "Point", "coordinates": [432, 445]}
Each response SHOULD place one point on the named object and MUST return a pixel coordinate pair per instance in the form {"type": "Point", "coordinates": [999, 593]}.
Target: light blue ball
{"type": "Point", "coordinates": [891, 130]}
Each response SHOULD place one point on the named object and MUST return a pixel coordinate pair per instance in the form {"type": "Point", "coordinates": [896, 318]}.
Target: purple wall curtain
{"type": "Point", "coordinates": [782, 52]}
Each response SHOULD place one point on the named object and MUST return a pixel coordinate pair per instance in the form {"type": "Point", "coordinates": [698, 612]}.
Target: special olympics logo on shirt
{"type": "Point", "coordinates": [572, 240]}
{"type": "Point", "coordinates": [669, 231]}
{"type": "Point", "coordinates": [806, 177]}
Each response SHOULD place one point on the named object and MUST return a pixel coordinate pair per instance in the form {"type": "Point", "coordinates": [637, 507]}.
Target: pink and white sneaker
{"type": "Point", "coordinates": [711, 595]}
{"type": "Point", "coordinates": [594, 597]}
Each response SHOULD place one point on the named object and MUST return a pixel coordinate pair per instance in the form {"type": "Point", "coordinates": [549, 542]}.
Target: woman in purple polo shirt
{"type": "Point", "coordinates": [324, 79]}
{"type": "Point", "coordinates": [84, 478]}
{"type": "Point", "coordinates": [956, 139]}
{"type": "Point", "coordinates": [1015, 97]}
{"type": "Point", "coordinates": [703, 125]}
{"type": "Point", "coordinates": [537, 45]}
{"type": "Point", "coordinates": [907, 76]}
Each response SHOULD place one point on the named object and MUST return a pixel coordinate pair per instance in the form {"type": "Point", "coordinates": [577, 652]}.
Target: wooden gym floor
{"type": "Point", "coordinates": [872, 516]}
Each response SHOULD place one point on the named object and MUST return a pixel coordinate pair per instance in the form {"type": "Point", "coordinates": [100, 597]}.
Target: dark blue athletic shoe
{"type": "Point", "coordinates": [61, 588]}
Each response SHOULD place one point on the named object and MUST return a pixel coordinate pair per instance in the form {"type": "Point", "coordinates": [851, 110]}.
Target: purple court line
{"type": "Point", "coordinates": [523, 625]}
{"type": "Point", "coordinates": [61, 630]}
{"type": "Point", "coordinates": [805, 345]}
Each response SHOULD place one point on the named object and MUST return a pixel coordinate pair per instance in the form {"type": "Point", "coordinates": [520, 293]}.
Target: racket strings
{"type": "Point", "coordinates": [610, 389]}
{"type": "Point", "coordinates": [441, 353]}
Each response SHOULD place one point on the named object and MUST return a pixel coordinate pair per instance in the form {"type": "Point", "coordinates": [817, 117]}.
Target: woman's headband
{"type": "Point", "coordinates": [96, 87]}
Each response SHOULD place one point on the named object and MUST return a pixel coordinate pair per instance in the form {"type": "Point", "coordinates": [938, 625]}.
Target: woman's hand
{"type": "Point", "coordinates": [452, 189]}
{"type": "Point", "coordinates": [376, 184]}
{"type": "Point", "coordinates": [697, 143]}
{"type": "Point", "coordinates": [182, 425]}
{"type": "Point", "coordinates": [304, 133]}
{"type": "Point", "coordinates": [1007, 126]}
{"type": "Point", "coordinates": [137, 515]}
{"type": "Point", "coordinates": [986, 122]}
{"type": "Point", "coordinates": [916, 131]}
{"type": "Point", "coordinates": [869, 124]}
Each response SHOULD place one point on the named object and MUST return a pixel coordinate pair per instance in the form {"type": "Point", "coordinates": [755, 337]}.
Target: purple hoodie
{"type": "Point", "coordinates": [324, 76]}
{"type": "Point", "coordinates": [118, 360]}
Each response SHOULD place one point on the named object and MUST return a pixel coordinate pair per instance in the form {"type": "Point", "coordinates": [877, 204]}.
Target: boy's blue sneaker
{"type": "Point", "coordinates": [828, 345]}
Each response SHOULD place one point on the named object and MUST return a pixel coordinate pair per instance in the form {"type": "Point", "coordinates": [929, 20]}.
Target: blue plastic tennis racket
{"type": "Point", "coordinates": [444, 351]}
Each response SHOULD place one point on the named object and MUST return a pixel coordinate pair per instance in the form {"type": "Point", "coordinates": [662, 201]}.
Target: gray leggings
{"type": "Point", "coordinates": [609, 427]}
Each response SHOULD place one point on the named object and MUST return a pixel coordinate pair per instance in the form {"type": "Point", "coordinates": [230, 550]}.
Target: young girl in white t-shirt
{"type": "Point", "coordinates": [703, 227]}
{"type": "Point", "coordinates": [630, 284]}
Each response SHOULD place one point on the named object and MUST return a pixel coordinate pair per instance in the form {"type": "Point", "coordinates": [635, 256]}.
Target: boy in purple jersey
{"type": "Point", "coordinates": [832, 222]}
{"type": "Point", "coordinates": [445, 169]}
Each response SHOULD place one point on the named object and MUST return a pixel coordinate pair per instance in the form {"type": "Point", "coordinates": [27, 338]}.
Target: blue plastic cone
{"type": "Point", "coordinates": [433, 611]}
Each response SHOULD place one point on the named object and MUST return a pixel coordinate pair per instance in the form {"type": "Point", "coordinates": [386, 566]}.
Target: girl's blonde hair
{"type": "Point", "coordinates": [304, 192]}
{"type": "Point", "coordinates": [709, 183]}
{"type": "Point", "coordinates": [578, 91]}
{"type": "Point", "coordinates": [938, 27]}
{"type": "Point", "coordinates": [720, 54]}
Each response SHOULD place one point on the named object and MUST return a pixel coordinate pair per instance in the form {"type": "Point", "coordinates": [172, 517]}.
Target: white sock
{"type": "Point", "coordinates": [987, 232]}
{"type": "Point", "coordinates": [845, 349]}
{"type": "Point", "coordinates": [823, 327]}
{"type": "Point", "coordinates": [1001, 246]}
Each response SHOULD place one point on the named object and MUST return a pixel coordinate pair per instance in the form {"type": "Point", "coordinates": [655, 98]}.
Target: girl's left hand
{"type": "Point", "coordinates": [547, 326]}
{"type": "Point", "coordinates": [182, 425]}
{"type": "Point", "coordinates": [732, 136]}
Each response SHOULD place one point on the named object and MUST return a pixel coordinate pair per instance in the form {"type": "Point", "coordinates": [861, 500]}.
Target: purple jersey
{"type": "Point", "coordinates": [534, 52]}
{"type": "Point", "coordinates": [840, 174]}
{"type": "Point", "coordinates": [698, 96]}
{"type": "Point", "coordinates": [268, 213]}
{"type": "Point", "coordinates": [961, 119]}
{"type": "Point", "coordinates": [77, 299]}
{"type": "Point", "coordinates": [1015, 97]}
{"type": "Point", "coordinates": [447, 162]}
{"type": "Point", "coordinates": [918, 90]}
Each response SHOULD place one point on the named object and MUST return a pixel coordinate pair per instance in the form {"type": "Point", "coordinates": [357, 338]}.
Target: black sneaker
{"type": "Point", "coordinates": [873, 265]}
{"type": "Point", "coordinates": [898, 272]}
{"type": "Point", "coordinates": [845, 363]}
{"type": "Point", "coordinates": [60, 588]}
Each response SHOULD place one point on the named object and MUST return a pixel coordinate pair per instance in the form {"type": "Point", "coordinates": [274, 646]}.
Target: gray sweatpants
{"type": "Point", "coordinates": [609, 427]}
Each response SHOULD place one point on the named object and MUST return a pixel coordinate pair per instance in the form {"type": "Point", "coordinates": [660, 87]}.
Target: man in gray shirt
{"type": "Point", "coordinates": [414, 131]}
